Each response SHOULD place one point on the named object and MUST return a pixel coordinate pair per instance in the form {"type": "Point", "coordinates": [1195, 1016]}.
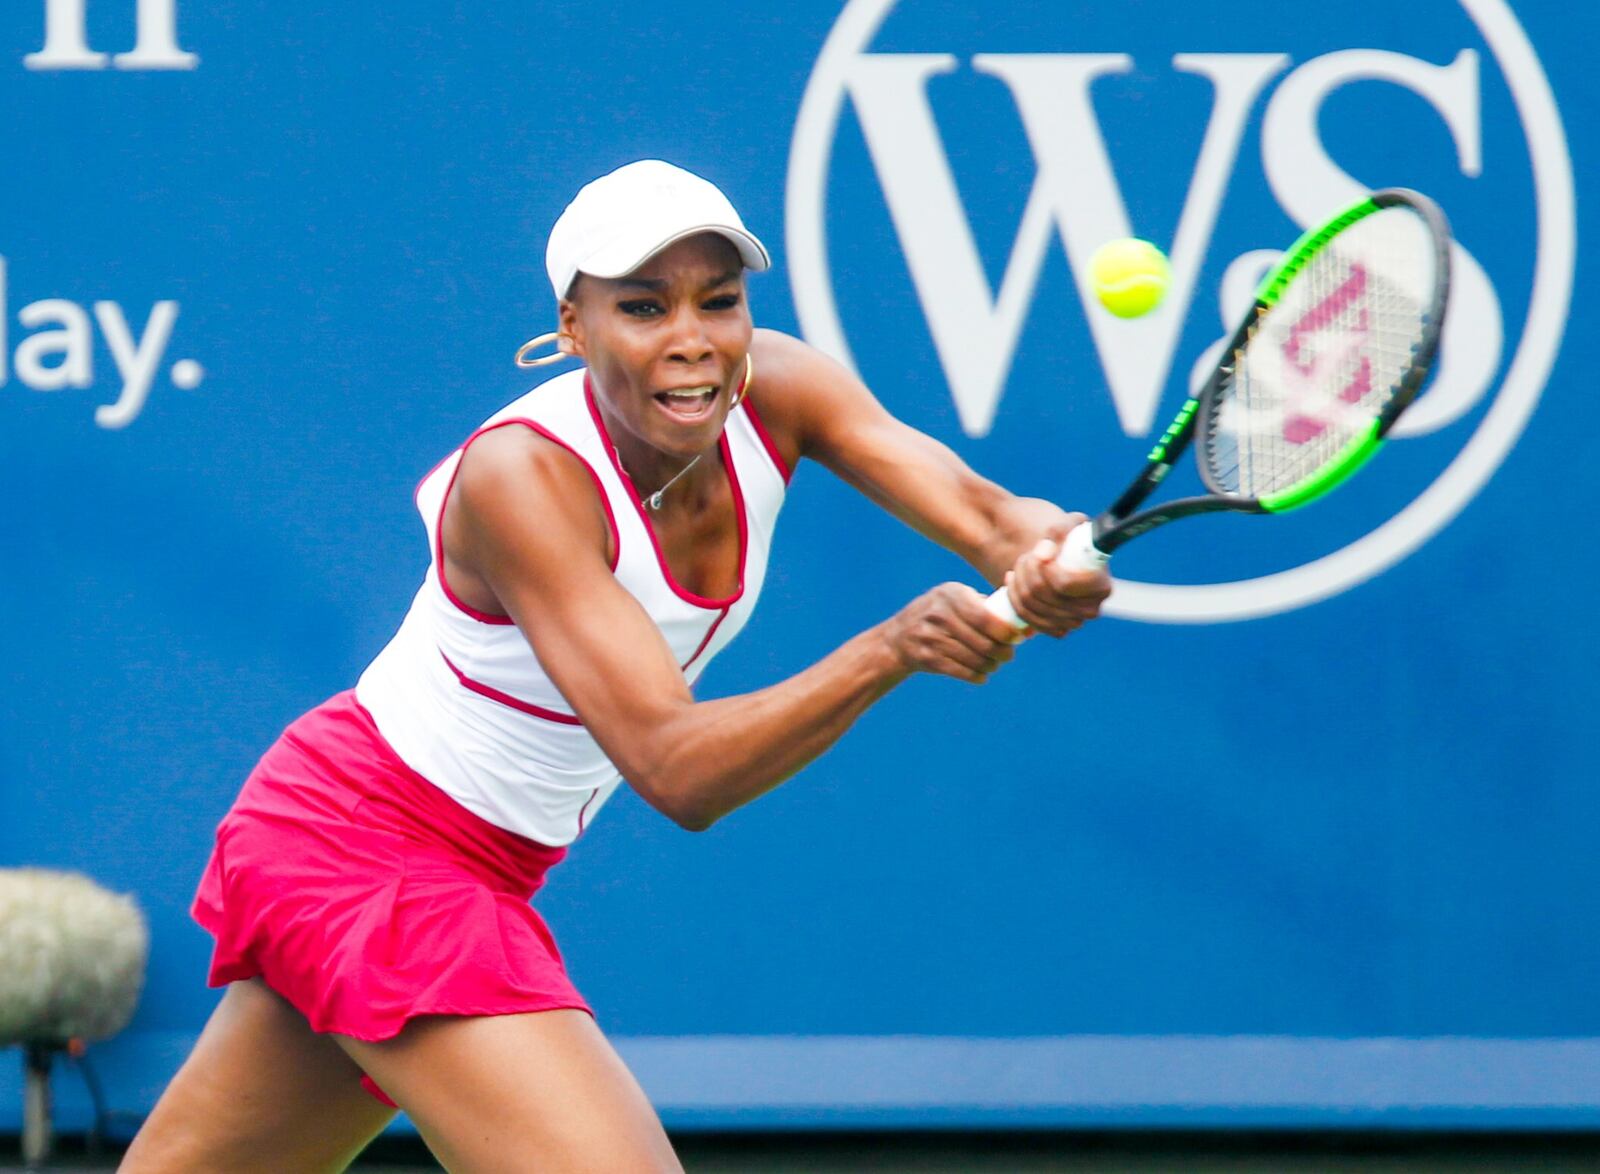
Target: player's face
{"type": "Point", "coordinates": [666, 344]}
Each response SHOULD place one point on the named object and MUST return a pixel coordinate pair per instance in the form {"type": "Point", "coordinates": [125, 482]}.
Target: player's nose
{"type": "Point", "coordinates": [690, 342]}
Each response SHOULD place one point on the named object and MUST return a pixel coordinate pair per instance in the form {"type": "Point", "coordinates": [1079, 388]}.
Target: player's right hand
{"type": "Point", "coordinates": [949, 631]}
{"type": "Point", "coordinates": [1050, 598]}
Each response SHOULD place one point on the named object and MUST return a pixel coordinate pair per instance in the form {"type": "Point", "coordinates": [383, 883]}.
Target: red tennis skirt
{"type": "Point", "coordinates": [366, 896]}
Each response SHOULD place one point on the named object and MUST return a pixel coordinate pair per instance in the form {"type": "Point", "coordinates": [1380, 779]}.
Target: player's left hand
{"type": "Point", "coordinates": [1051, 599]}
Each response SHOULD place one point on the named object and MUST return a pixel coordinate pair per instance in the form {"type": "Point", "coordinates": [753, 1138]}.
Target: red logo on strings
{"type": "Point", "coordinates": [1310, 367]}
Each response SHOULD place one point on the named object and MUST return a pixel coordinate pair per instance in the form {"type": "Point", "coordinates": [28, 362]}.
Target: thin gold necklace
{"type": "Point", "coordinates": [653, 502]}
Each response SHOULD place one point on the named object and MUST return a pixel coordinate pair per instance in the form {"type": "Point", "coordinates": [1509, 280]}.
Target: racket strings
{"type": "Point", "coordinates": [1324, 362]}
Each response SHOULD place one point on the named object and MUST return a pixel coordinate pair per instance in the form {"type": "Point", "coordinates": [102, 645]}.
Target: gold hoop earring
{"type": "Point", "coordinates": [522, 359]}
{"type": "Point", "coordinates": [749, 377]}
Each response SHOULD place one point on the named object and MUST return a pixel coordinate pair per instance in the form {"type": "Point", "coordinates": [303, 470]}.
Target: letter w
{"type": "Point", "coordinates": [1075, 194]}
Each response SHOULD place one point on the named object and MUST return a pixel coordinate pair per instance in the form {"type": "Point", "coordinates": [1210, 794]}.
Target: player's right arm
{"type": "Point", "coordinates": [527, 524]}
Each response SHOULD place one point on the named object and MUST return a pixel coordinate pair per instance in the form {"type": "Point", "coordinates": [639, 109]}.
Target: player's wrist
{"type": "Point", "coordinates": [882, 656]}
{"type": "Point", "coordinates": [1021, 523]}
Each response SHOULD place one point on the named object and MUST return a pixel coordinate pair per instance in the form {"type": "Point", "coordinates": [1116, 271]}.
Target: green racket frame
{"type": "Point", "coordinates": [1120, 523]}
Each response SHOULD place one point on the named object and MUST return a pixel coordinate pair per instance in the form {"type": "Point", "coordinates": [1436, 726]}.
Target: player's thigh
{"type": "Point", "coordinates": [260, 1092]}
{"type": "Point", "coordinates": [540, 1091]}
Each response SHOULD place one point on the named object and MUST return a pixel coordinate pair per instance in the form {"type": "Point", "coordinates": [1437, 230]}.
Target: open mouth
{"type": "Point", "coordinates": [688, 403]}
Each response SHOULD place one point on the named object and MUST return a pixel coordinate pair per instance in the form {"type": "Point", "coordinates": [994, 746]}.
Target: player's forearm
{"type": "Point", "coordinates": [974, 518]}
{"type": "Point", "coordinates": [714, 756]}
{"type": "Point", "coordinates": [978, 520]}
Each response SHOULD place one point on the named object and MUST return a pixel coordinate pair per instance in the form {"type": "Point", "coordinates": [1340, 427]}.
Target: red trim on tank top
{"type": "Point", "coordinates": [710, 632]}
{"type": "Point", "coordinates": [416, 494]}
{"type": "Point", "coordinates": [484, 617]}
{"type": "Point", "coordinates": [584, 810]}
{"type": "Point", "coordinates": [754, 417]}
{"type": "Point", "coordinates": [681, 592]}
{"type": "Point", "coordinates": [516, 703]}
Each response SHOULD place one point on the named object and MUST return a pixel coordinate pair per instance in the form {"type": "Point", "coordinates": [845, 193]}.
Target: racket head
{"type": "Point", "coordinates": [1341, 337]}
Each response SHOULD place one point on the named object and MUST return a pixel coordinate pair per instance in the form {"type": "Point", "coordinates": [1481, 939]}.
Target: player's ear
{"type": "Point", "coordinates": [571, 341]}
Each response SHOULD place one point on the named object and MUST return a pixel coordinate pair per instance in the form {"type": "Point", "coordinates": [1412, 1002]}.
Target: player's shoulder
{"type": "Point", "coordinates": [786, 365]}
{"type": "Point", "coordinates": [798, 390]}
{"type": "Point", "coordinates": [518, 488]}
{"type": "Point", "coordinates": [512, 464]}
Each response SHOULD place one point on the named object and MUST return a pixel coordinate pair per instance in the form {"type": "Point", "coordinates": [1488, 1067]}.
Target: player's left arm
{"type": "Point", "coordinates": [815, 408]}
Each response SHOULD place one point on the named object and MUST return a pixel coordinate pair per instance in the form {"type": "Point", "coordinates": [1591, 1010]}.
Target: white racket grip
{"type": "Point", "coordinates": [1078, 553]}
{"type": "Point", "coordinates": [999, 604]}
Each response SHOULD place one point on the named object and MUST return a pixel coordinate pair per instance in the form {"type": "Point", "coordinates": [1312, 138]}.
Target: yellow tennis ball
{"type": "Point", "coordinates": [1130, 277]}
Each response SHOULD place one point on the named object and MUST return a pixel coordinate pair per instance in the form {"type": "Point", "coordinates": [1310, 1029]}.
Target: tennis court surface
{"type": "Point", "coordinates": [1082, 1153]}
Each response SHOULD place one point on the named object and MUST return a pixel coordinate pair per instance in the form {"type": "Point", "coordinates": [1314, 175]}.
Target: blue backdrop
{"type": "Point", "coordinates": [1306, 836]}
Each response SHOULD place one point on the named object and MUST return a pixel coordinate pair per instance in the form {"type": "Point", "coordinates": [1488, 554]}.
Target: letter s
{"type": "Point", "coordinates": [1309, 186]}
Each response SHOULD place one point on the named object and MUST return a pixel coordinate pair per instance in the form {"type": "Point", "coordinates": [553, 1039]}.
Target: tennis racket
{"type": "Point", "coordinates": [1337, 344]}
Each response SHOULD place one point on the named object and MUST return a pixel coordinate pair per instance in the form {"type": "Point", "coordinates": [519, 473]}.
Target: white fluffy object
{"type": "Point", "coordinates": [72, 957]}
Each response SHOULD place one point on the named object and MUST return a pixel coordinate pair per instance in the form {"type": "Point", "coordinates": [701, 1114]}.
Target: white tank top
{"type": "Point", "coordinates": [460, 695]}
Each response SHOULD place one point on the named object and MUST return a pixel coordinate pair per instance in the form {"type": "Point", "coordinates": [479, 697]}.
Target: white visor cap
{"type": "Point", "coordinates": [619, 221]}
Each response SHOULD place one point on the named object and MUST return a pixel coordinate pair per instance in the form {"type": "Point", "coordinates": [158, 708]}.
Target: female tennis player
{"type": "Point", "coordinates": [594, 545]}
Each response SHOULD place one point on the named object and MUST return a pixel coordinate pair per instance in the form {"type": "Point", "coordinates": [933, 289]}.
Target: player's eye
{"type": "Point", "coordinates": [640, 307]}
{"type": "Point", "coordinates": [722, 302]}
